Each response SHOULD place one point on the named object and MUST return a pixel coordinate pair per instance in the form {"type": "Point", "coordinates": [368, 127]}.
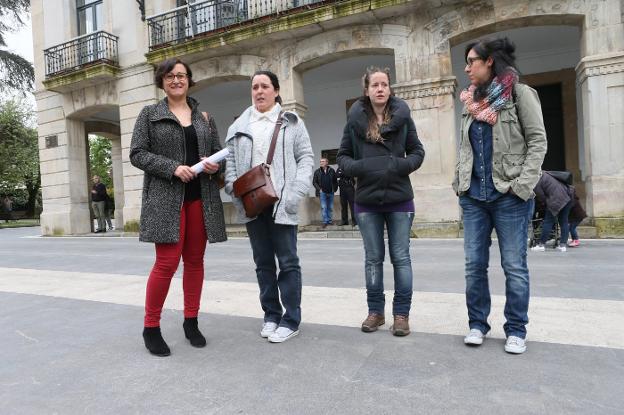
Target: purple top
{"type": "Point", "coordinates": [406, 206]}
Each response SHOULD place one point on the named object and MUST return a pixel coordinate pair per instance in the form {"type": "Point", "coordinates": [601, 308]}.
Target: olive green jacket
{"type": "Point", "coordinates": [518, 150]}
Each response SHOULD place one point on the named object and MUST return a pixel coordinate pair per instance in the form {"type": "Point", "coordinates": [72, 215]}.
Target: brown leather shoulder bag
{"type": "Point", "coordinates": [255, 187]}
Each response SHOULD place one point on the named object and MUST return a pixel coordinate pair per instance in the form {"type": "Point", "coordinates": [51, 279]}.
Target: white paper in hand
{"type": "Point", "coordinates": [215, 158]}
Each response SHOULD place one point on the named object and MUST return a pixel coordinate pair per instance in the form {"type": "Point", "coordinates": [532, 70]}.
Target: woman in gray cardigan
{"type": "Point", "coordinates": [181, 210]}
{"type": "Point", "coordinates": [273, 233]}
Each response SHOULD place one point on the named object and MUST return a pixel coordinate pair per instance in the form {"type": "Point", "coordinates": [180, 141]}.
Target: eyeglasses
{"type": "Point", "coordinates": [470, 61]}
{"type": "Point", "coordinates": [180, 76]}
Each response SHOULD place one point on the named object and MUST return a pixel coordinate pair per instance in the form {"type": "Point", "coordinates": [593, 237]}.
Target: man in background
{"type": "Point", "coordinates": [98, 202]}
{"type": "Point", "coordinates": [325, 182]}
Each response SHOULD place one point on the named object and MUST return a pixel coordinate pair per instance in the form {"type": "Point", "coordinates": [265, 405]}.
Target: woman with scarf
{"type": "Point", "coordinates": [380, 149]}
{"type": "Point", "coordinates": [502, 147]}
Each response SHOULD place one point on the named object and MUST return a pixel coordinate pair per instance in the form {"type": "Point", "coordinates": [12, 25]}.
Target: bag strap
{"type": "Point", "coordinates": [515, 102]}
{"type": "Point", "coordinates": [278, 125]}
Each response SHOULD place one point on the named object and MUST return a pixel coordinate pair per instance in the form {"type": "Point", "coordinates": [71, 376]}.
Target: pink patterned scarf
{"type": "Point", "coordinates": [499, 92]}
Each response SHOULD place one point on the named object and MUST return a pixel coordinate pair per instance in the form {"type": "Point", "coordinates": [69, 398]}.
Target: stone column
{"type": "Point", "coordinates": [118, 181]}
{"type": "Point", "coordinates": [426, 82]}
{"type": "Point", "coordinates": [136, 90]}
{"type": "Point", "coordinates": [62, 153]}
{"type": "Point", "coordinates": [291, 91]}
{"type": "Point", "coordinates": [600, 80]}
{"type": "Point", "coordinates": [432, 105]}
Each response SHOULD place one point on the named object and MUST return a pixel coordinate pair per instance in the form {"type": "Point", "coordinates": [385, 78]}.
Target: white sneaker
{"type": "Point", "coordinates": [474, 337]}
{"type": "Point", "coordinates": [562, 248]}
{"type": "Point", "coordinates": [268, 328]}
{"type": "Point", "coordinates": [515, 345]}
{"type": "Point", "coordinates": [282, 334]}
{"type": "Point", "coordinates": [538, 248]}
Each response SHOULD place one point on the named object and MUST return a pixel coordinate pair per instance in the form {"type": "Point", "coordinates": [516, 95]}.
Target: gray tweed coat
{"type": "Point", "coordinates": [158, 148]}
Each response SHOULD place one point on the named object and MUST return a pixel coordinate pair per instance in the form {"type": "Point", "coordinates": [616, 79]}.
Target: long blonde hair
{"type": "Point", "coordinates": [372, 132]}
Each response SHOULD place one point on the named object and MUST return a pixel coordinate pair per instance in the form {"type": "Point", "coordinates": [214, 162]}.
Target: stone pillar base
{"type": "Point", "coordinates": [609, 227]}
{"type": "Point", "coordinates": [605, 196]}
{"type": "Point", "coordinates": [131, 216]}
{"type": "Point", "coordinates": [75, 221]}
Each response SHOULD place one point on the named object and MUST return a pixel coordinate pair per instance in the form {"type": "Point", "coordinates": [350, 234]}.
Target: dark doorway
{"type": "Point", "coordinates": [552, 109]}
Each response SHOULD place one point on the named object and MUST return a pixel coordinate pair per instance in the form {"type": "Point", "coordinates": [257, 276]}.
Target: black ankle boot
{"type": "Point", "coordinates": [191, 331]}
{"type": "Point", "coordinates": [155, 342]}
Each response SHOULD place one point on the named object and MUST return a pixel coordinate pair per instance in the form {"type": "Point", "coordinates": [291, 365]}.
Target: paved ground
{"type": "Point", "coordinates": [72, 316]}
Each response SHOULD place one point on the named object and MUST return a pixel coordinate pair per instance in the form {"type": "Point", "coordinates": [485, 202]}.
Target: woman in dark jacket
{"type": "Point", "coordinates": [558, 199]}
{"type": "Point", "coordinates": [181, 210]}
{"type": "Point", "coordinates": [380, 148]}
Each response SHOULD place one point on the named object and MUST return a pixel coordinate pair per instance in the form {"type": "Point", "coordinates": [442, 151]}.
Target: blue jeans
{"type": "Point", "coordinates": [573, 233]}
{"type": "Point", "coordinates": [399, 225]}
{"type": "Point", "coordinates": [269, 240]}
{"type": "Point", "coordinates": [509, 216]}
{"type": "Point", "coordinates": [327, 204]}
{"type": "Point", "coordinates": [562, 218]}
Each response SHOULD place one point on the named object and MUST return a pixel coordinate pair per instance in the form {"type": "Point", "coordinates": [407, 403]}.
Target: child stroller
{"type": "Point", "coordinates": [536, 226]}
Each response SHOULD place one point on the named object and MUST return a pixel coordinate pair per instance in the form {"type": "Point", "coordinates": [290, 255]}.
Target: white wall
{"type": "Point", "coordinates": [57, 22]}
{"type": "Point", "coordinates": [224, 102]}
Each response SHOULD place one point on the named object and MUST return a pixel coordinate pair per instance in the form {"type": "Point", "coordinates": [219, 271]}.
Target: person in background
{"type": "Point", "coordinates": [347, 196]}
{"type": "Point", "coordinates": [110, 208]}
{"type": "Point", "coordinates": [380, 149]}
{"type": "Point", "coordinates": [557, 197]}
{"type": "Point", "coordinates": [325, 182]}
{"type": "Point", "coordinates": [502, 147]}
{"type": "Point", "coordinates": [7, 207]}
{"type": "Point", "coordinates": [98, 202]}
{"type": "Point", "coordinates": [577, 214]}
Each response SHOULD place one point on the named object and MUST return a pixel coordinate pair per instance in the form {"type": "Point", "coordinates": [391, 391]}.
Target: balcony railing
{"type": "Point", "coordinates": [86, 50]}
{"type": "Point", "coordinates": [185, 22]}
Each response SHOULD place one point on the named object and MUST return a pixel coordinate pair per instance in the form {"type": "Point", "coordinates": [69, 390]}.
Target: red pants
{"type": "Point", "coordinates": [191, 247]}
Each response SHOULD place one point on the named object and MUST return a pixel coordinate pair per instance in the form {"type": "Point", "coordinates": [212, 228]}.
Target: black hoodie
{"type": "Point", "coordinates": [382, 169]}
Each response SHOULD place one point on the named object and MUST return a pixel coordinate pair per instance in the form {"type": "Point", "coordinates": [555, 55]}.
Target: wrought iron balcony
{"type": "Point", "coordinates": [81, 52]}
{"type": "Point", "coordinates": [185, 22]}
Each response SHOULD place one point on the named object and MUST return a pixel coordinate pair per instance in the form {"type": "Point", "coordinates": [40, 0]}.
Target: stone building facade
{"type": "Point", "coordinates": [571, 51]}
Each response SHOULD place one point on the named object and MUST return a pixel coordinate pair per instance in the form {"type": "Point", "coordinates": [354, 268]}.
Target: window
{"type": "Point", "coordinates": [89, 16]}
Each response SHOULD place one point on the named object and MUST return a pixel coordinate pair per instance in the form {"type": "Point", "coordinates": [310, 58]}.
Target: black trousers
{"type": "Point", "coordinates": [347, 195]}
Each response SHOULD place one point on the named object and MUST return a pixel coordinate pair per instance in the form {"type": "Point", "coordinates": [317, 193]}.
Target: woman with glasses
{"type": "Point", "coordinates": [501, 150]}
{"type": "Point", "coordinates": [380, 149]}
{"type": "Point", "coordinates": [181, 210]}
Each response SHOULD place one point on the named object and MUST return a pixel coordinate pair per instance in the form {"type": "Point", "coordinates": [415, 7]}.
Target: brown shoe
{"type": "Point", "coordinates": [372, 322]}
{"type": "Point", "coordinates": [400, 326]}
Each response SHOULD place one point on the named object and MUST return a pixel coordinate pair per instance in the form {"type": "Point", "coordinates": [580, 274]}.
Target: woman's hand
{"type": "Point", "coordinates": [184, 173]}
{"type": "Point", "coordinates": [210, 167]}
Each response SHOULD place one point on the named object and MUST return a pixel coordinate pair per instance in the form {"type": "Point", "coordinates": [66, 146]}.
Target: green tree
{"type": "Point", "coordinates": [15, 72]}
{"type": "Point", "coordinates": [19, 152]}
{"type": "Point", "coordinates": [100, 158]}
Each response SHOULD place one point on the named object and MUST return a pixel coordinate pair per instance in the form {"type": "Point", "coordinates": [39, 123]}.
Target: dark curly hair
{"type": "Point", "coordinates": [167, 66]}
